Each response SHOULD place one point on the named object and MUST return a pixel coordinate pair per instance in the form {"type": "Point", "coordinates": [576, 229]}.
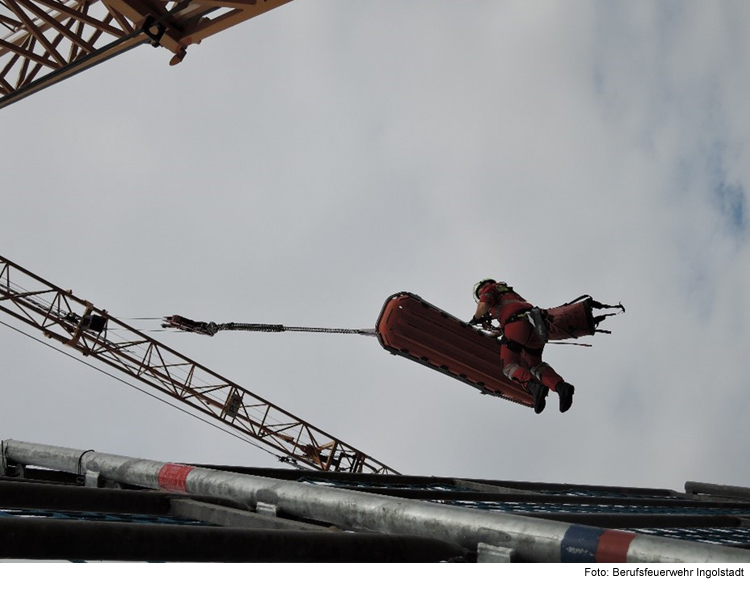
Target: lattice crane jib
{"type": "Point", "coordinates": [45, 41]}
{"type": "Point", "coordinates": [75, 322]}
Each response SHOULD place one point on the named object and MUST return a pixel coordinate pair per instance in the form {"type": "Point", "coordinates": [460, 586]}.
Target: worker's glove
{"type": "Point", "coordinates": [477, 321]}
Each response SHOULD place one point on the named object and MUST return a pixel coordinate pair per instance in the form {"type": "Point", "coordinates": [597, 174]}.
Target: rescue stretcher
{"type": "Point", "coordinates": [413, 328]}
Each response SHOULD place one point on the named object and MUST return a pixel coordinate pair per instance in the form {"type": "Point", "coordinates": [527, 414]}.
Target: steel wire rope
{"type": "Point", "coordinates": [249, 327]}
{"type": "Point", "coordinates": [168, 403]}
{"type": "Point", "coordinates": [36, 299]}
{"type": "Point", "coordinates": [141, 318]}
{"type": "Point", "coordinates": [47, 305]}
{"type": "Point", "coordinates": [140, 329]}
{"type": "Point", "coordinates": [23, 293]}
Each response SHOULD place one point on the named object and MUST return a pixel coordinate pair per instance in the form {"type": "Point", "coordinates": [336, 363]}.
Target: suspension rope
{"type": "Point", "coordinates": [211, 328]}
{"type": "Point", "coordinates": [281, 328]}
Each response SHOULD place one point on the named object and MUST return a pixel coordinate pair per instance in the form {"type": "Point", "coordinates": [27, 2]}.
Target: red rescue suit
{"type": "Point", "coordinates": [522, 344]}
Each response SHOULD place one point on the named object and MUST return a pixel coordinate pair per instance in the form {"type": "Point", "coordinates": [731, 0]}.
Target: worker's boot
{"type": "Point", "coordinates": [565, 391]}
{"type": "Point", "coordinates": [540, 395]}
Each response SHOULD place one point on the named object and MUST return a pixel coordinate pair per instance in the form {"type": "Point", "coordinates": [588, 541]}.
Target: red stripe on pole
{"type": "Point", "coordinates": [613, 546]}
{"type": "Point", "coordinates": [172, 477]}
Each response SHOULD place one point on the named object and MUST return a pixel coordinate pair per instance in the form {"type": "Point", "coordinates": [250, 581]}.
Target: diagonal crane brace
{"type": "Point", "coordinates": [97, 334]}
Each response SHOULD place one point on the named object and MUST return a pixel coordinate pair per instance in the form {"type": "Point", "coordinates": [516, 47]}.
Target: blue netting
{"type": "Point", "coordinates": [709, 535]}
{"type": "Point", "coordinates": [614, 494]}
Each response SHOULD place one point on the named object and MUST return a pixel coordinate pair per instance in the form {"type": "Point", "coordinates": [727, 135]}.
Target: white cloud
{"type": "Point", "coordinates": [303, 166]}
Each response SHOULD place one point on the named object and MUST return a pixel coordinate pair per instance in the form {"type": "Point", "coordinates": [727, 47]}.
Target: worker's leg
{"type": "Point", "coordinates": [529, 365]}
{"type": "Point", "coordinates": [513, 365]}
{"type": "Point", "coordinates": [542, 372]}
{"type": "Point", "coordinates": [516, 370]}
{"type": "Point", "coordinates": [525, 363]}
{"type": "Point", "coordinates": [549, 377]}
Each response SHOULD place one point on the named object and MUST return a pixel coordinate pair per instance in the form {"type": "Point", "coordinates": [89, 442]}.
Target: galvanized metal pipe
{"type": "Point", "coordinates": [531, 539]}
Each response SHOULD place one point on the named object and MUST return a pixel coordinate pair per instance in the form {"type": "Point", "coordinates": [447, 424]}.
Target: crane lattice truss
{"type": "Point", "coordinates": [69, 320]}
{"type": "Point", "coordinates": [45, 41]}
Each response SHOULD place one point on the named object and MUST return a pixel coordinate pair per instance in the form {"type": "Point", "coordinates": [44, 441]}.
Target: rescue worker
{"type": "Point", "coordinates": [523, 338]}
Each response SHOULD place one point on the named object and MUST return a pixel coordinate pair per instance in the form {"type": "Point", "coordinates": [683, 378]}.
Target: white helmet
{"type": "Point", "coordinates": [478, 287]}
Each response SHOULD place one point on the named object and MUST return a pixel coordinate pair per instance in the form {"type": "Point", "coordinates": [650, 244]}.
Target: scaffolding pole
{"type": "Point", "coordinates": [526, 538]}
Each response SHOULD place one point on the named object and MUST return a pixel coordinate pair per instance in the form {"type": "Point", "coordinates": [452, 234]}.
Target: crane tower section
{"type": "Point", "coordinates": [93, 332]}
{"type": "Point", "coordinates": [45, 41]}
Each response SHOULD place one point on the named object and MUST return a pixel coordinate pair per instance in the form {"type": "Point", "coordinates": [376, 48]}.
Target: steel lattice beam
{"type": "Point", "coordinates": [45, 41]}
{"type": "Point", "coordinates": [71, 321]}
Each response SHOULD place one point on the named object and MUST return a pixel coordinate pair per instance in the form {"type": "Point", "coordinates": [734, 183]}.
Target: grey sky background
{"type": "Point", "coordinates": [307, 164]}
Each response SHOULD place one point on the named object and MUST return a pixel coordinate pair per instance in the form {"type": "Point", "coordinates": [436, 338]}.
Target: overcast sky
{"type": "Point", "coordinates": [305, 165]}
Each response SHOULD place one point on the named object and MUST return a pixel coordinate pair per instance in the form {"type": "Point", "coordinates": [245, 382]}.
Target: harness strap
{"type": "Point", "coordinates": [517, 316]}
{"type": "Point", "coordinates": [518, 347]}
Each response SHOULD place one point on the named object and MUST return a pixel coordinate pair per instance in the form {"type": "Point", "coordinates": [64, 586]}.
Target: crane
{"type": "Point", "coordinates": [69, 320]}
{"type": "Point", "coordinates": [45, 41]}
